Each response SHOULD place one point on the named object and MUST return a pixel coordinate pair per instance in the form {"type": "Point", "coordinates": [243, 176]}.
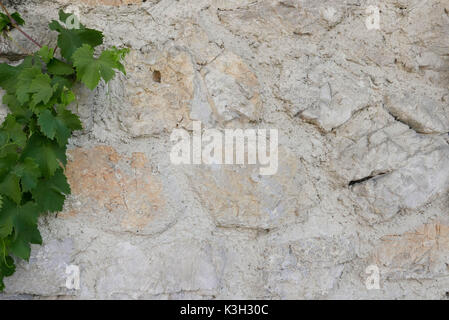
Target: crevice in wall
{"type": "Point", "coordinates": [367, 178]}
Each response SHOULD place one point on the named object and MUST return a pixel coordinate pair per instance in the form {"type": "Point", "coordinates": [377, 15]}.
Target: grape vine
{"type": "Point", "coordinates": [35, 133]}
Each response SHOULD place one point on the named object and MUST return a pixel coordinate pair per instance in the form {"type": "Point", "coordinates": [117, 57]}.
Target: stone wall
{"type": "Point", "coordinates": [363, 179]}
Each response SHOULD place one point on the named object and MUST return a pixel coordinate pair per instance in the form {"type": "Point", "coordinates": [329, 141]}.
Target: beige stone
{"type": "Point", "coordinates": [133, 195]}
{"type": "Point", "coordinates": [159, 89]}
{"type": "Point", "coordinates": [233, 89]}
{"type": "Point", "coordinates": [421, 253]}
{"type": "Point", "coordinates": [239, 196]}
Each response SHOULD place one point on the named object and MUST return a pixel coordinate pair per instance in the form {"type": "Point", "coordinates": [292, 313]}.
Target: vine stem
{"type": "Point", "coordinates": [14, 23]}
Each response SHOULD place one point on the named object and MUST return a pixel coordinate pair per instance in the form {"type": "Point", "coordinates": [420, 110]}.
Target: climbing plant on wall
{"type": "Point", "coordinates": [35, 133]}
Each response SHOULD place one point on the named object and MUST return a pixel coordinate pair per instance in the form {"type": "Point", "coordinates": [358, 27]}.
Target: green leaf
{"type": "Point", "coordinates": [47, 122]}
{"type": "Point", "coordinates": [29, 173]}
{"type": "Point", "coordinates": [41, 89]}
{"type": "Point", "coordinates": [5, 221]}
{"type": "Point", "coordinates": [13, 131]}
{"type": "Point", "coordinates": [3, 25]}
{"type": "Point", "coordinates": [8, 75]}
{"type": "Point", "coordinates": [55, 26]}
{"type": "Point", "coordinates": [69, 40]}
{"type": "Point", "coordinates": [7, 163]}
{"type": "Point", "coordinates": [25, 231]}
{"type": "Point", "coordinates": [10, 187]}
{"type": "Point", "coordinates": [6, 148]}
{"type": "Point", "coordinates": [87, 68]}
{"type": "Point", "coordinates": [63, 15]}
{"type": "Point", "coordinates": [7, 268]}
{"type": "Point", "coordinates": [5, 21]}
{"type": "Point", "coordinates": [8, 214]}
{"type": "Point", "coordinates": [23, 221]}
{"type": "Point", "coordinates": [63, 133]}
{"type": "Point", "coordinates": [60, 68]}
{"type": "Point", "coordinates": [115, 56]}
{"type": "Point", "coordinates": [16, 16]}
{"type": "Point", "coordinates": [25, 78]}
{"type": "Point", "coordinates": [41, 106]}
{"type": "Point", "coordinates": [71, 120]}
{"type": "Point", "coordinates": [59, 126]}
{"type": "Point", "coordinates": [63, 94]}
{"type": "Point", "coordinates": [90, 70]}
{"type": "Point", "coordinates": [51, 192]}
{"type": "Point", "coordinates": [62, 82]}
{"type": "Point", "coordinates": [21, 113]}
{"type": "Point", "coordinates": [46, 153]}
{"type": "Point", "coordinates": [67, 97]}
{"type": "Point", "coordinates": [46, 54]}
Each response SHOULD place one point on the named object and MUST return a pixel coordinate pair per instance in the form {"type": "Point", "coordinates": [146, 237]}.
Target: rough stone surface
{"type": "Point", "coordinates": [363, 179]}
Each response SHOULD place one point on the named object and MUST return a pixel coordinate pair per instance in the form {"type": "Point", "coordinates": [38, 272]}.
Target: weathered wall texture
{"type": "Point", "coordinates": [363, 120]}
